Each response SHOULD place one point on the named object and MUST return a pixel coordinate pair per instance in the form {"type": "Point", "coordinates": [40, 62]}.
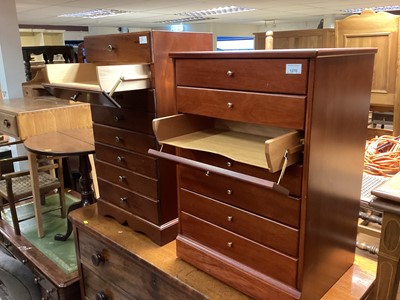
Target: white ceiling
{"type": "Point", "coordinates": [149, 13]}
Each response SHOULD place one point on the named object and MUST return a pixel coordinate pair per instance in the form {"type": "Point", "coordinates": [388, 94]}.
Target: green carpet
{"type": "Point", "coordinates": [61, 253]}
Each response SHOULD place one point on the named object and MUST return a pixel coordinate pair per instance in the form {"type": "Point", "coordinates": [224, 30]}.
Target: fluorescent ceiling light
{"type": "Point", "coordinates": [185, 20]}
{"type": "Point", "coordinates": [215, 11]}
{"type": "Point", "coordinates": [96, 13]}
{"type": "Point", "coordinates": [378, 8]}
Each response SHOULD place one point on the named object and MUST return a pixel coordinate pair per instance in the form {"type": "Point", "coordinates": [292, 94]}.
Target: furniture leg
{"type": "Point", "coordinates": [86, 193]}
{"type": "Point", "coordinates": [85, 180]}
{"type": "Point", "coordinates": [33, 167]}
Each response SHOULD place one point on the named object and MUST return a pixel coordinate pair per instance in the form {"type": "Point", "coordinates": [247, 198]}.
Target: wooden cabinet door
{"type": "Point", "coordinates": [380, 30]}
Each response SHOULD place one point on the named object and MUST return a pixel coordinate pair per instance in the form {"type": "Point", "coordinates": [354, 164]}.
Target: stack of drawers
{"type": "Point", "coordinates": [135, 188]}
{"type": "Point", "coordinates": [110, 271]}
{"type": "Point", "coordinates": [235, 224]}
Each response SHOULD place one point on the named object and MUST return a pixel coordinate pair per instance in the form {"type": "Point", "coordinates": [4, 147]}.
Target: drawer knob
{"type": "Point", "coordinates": [120, 158]}
{"type": "Point", "coordinates": [117, 139]}
{"type": "Point", "coordinates": [110, 48]}
{"type": "Point", "coordinates": [229, 192]}
{"type": "Point", "coordinates": [121, 178]}
{"type": "Point", "coordinates": [230, 244]}
{"type": "Point", "coordinates": [229, 105]}
{"type": "Point", "coordinates": [101, 296]}
{"type": "Point", "coordinates": [116, 118]}
{"type": "Point", "coordinates": [97, 259]}
{"type": "Point", "coordinates": [123, 199]}
{"type": "Point", "coordinates": [229, 218]}
{"type": "Point", "coordinates": [229, 164]}
{"type": "Point", "coordinates": [229, 73]}
{"type": "Point", "coordinates": [50, 291]}
{"type": "Point", "coordinates": [6, 123]}
{"type": "Point", "coordinates": [207, 173]}
{"type": "Point", "coordinates": [37, 280]}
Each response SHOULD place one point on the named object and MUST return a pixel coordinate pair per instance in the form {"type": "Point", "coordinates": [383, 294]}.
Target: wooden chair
{"type": "Point", "coordinates": [17, 186]}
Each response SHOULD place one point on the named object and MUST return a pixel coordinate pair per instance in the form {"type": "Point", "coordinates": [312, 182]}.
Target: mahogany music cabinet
{"type": "Point", "coordinates": [270, 148]}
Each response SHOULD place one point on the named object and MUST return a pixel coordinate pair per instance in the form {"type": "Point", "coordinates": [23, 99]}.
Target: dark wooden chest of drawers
{"type": "Point", "coordinates": [135, 188]}
{"type": "Point", "coordinates": [270, 227]}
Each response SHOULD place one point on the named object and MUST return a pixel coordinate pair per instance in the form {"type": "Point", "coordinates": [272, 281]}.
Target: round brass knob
{"type": "Point", "coordinates": [229, 105]}
{"type": "Point", "coordinates": [229, 73]}
{"type": "Point", "coordinates": [116, 118]}
{"type": "Point", "coordinates": [110, 48]}
{"type": "Point", "coordinates": [120, 158]}
{"type": "Point", "coordinates": [123, 199]}
{"type": "Point", "coordinates": [229, 218]}
{"type": "Point", "coordinates": [117, 139]}
{"type": "Point", "coordinates": [121, 178]}
{"type": "Point", "coordinates": [208, 173]}
{"type": "Point", "coordinates": [229, 192]}
{"type": "Point", "coordinates": [230, 244]}
{"type": "Point", "coordinates": [229, 164]}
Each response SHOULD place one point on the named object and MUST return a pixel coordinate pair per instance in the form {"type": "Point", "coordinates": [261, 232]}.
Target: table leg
{"type": "Point", "coordinates": [86, 193]}
{"type": "Point", "coordinates": [33, 168]}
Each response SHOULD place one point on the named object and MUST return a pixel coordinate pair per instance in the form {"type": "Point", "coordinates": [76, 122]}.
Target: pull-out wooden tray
{"type": "Point", "coordinates": [99, 78]}
{"type": "Point", "coordinates": [257, 145]}
{"type": "Point", "coordinates": [95, 83]}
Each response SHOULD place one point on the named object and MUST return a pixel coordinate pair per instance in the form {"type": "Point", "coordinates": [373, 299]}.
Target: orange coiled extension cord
{"type": "Point", "coordinates": [382, 156]}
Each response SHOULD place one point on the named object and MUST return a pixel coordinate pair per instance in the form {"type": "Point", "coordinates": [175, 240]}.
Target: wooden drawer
{"type": "Point", "coordinates": [137, 204]}
{"type": "Point", "coordinates": [119, 275]}
{"type": "Point", "coordinates": [256, 199]}
{"type": "Point", "coordinates": [257, 145]}
{"type": "Point", "coordinates": [96, 287]}
{"type": "Point", "coordinates": [127, 179]}
{"type": "Point", "coordinates": [132, 161]}
{"type": "Point", "coordinates": [8, 124]}
{"type": "Point", "coordinates": [244, 251]}
{"type": "Point", "coordinates": [49, 290]}
{"type": "Point", "coordinates": [119, 48]}
{"type": "Point", "coordinates": [126, 139]}
{"type": "Point", "coordinates": [291, 180]}
{"type": "Point", "coordinates": [137, 100]}
{"type": "Point", "coordinates": [123, 118]}
{"type": "Point", "coordinates": [261, 230]}
{"type": "Point", "coordinates": [286, 111]}
{"type": "Point", "coordinates": [254, 75]}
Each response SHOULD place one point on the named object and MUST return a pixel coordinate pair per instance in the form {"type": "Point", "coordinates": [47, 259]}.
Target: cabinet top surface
{"type": "Point", "coordinates": [279, 53]}
{"type": "Point", "coordinates": [21, 105]}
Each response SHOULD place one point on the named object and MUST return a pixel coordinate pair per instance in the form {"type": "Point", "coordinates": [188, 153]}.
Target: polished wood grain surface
{"type": "Point", "coordinates": [26, 117]}
{"type": "Point", "coordinates": [298, 39]}
{"type": "Point", "coordinates": [336, 85]}
{"type": "Point", "coordinates": [380, 30]}
{"type": "Point", "coordinates": [62, 142]}
{"type": "Point", "coordinates": [356, 281]}
{"type": "Point", "coordinates": [389, 249]}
